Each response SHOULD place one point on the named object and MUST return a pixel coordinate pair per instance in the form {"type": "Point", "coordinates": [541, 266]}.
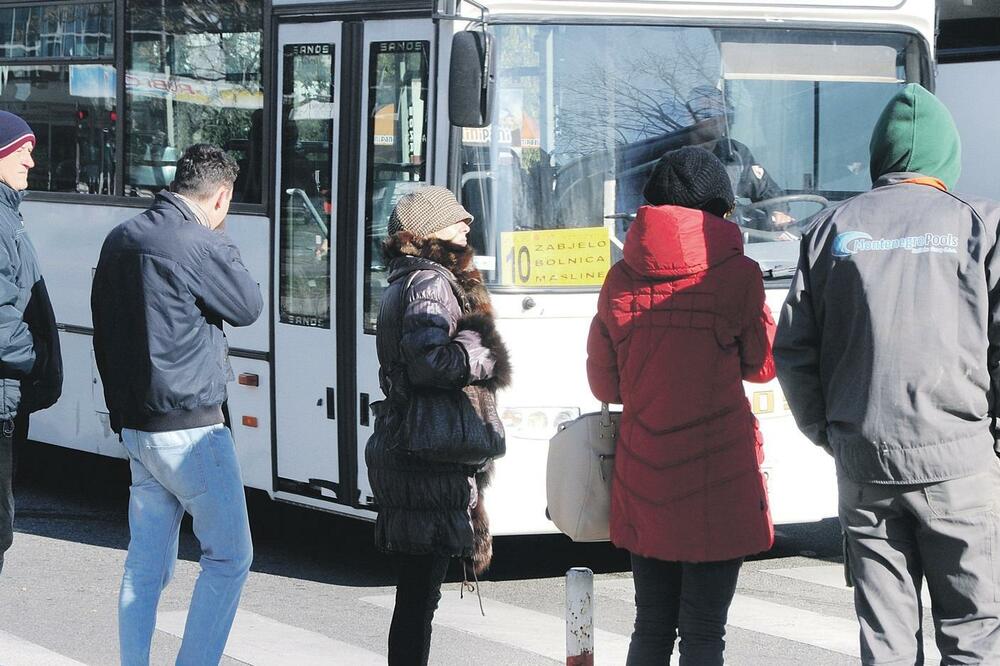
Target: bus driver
{"type": "Point", "coordinates": [713, 116]}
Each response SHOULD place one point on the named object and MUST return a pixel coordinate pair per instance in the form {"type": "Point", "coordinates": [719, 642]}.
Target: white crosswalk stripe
{"type": "Point", "coordinates": [829, 576]}
{"type": "Point", "coordinates": [764, 617]}
{"type": "Point", "coordinates": [833, 576]}
{"type": "Point", "coordinates": [260, 641]}
{"type": "Point", "coordinates": [16, 651]}
{"type": "Point", "coordinates": [836, 634]}
{"type": "Point", "coordinates": [544, 634]}
{"type": "Point", "coordinates": [524, 629]}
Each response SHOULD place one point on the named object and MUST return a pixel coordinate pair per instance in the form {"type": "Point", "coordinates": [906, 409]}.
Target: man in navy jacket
{"type": "Point", "coordinates": [166, 281]}
{"type": "Point", "coordinates": [30, 363]}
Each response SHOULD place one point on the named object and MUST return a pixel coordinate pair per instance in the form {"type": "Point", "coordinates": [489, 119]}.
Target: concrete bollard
{"type": "Point", "coordinates": [579, 617]}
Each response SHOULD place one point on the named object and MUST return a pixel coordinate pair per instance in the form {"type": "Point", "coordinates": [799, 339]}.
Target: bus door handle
{"type": "Point", "coordinates": [364, 408]}
{"type": "Point", "coordinates": [331, 403]}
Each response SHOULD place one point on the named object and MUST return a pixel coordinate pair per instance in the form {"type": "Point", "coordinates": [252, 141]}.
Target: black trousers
{"type": "Point", "coordinates": [418, 591]}
{"type": "Point", "coordinates": [12, 435]}
{"type": "Point", "coordinates": [690, 598]}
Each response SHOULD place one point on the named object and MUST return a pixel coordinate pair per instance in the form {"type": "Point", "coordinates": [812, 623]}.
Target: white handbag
{"type": "Point", "coordinates": [578, 475]}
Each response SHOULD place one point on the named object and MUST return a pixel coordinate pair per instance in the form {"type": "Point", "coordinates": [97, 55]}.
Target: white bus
{"type": "Point", "coordinates": [968, 57]}
{"type": "Point", "coordinates": [336, 108]}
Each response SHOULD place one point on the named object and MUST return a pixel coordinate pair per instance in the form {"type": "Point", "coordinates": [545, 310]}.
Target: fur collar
{"type": "Point", "coordinates": [478, 314]}
{"type": "Point", "coordinates": [456, 258]}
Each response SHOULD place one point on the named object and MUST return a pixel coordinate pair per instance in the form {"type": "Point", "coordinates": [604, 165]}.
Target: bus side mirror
{"type": "Point", "coordinates": [472, 79]}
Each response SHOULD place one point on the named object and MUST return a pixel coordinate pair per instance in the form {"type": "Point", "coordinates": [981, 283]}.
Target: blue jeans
{"type": "Point", "coordinates": [192, 470]}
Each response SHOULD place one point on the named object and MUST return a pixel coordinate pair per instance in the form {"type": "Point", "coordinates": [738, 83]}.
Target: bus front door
{"type": "Point", "coordinates": [305, 332]}
{"type": "Point", "coordinates": [396, 100]}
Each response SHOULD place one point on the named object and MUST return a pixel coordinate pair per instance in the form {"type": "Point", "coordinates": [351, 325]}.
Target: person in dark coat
{"type": "Point", "coordinates": [888, 352]}
{"type": "Point", "coordinates": [166, 281]}
{"type": "Point", "coordinates": [31, 370]}
{"type": "Point", "coordinates": [438, 352]}
{"type": "Point", "coordinates": [681, 323]}
{"type": "Point", "coordinates": [749, 179]}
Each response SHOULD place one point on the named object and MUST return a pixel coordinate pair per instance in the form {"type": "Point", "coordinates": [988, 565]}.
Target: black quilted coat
{"type": "Point", "coordinates": [435, 322]}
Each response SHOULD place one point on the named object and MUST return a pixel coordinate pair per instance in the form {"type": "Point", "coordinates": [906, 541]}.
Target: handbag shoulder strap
{"type": "Point", "coordinates": [607, 425]}
{"type": "Point", "coordinates": [402, 298]}
{"type": "Point", "coordinates": [396, 373]}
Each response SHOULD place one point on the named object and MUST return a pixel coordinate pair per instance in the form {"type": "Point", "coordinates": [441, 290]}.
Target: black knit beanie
{"type": "Point", "coordinates": [690, 177]}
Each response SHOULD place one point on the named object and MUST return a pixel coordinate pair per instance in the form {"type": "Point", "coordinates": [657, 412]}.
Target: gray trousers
{"type": "Point", "coordinates": [945, 532]}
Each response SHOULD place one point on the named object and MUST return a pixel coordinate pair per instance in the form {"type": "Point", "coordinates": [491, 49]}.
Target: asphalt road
{"type": "Point", "coordinates": [319, 593]}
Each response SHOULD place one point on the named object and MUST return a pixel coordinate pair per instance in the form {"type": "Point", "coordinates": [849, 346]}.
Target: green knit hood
{"type": "Point", "coordinates": [916, 133]}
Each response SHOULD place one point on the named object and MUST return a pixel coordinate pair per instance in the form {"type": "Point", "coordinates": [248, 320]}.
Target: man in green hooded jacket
{"type": "Point", "coordinates": [888, 352]}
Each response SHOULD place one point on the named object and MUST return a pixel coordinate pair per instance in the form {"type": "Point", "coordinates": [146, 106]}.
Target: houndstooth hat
{"type": "Point", "coordinates": [427, 210]}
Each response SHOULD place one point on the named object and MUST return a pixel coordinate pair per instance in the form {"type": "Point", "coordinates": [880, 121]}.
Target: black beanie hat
{"type": "Point", "coordinates": [14, 133]}
{"type": "Point", "coordinates": [690, 177]}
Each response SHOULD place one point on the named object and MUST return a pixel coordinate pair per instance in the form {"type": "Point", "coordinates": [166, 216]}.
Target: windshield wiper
{"type": "Point", "coordinates": [780, 272]}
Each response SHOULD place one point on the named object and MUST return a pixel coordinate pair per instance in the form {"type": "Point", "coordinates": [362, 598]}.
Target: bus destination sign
{"type": "Point", "coordinates": [556, 257]}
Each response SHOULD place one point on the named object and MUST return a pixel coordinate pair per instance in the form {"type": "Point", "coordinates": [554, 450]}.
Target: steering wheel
{"type": "Point", "coordinates": [760, 211]}
{"type": "Point", "coordinates": [774, 202]}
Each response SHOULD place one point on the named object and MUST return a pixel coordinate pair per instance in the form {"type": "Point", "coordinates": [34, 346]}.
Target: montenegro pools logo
{"type": "Point", "coordinates": [853, 242]}
{"type": "Point", "coordinates": [844, 244]}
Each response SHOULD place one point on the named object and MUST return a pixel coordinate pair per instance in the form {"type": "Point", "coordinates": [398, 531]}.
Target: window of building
{"type": "Point", "coordinates": [57, 31]}
{"type": "Point", "coordinates": [57, 72]}
{"type": "Point", "coordinates": [193, 75]}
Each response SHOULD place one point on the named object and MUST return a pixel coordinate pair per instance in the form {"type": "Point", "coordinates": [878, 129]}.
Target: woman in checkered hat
{"type": "Point", "coordinates": [436, 433]}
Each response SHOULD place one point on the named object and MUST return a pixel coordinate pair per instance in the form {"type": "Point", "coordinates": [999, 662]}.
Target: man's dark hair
{"type": "Point", "coordinates": [202, 169]}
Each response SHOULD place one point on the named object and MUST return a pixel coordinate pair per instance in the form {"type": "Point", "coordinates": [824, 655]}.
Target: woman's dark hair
{"type": "Point", "coordinates": [716, 207]}
{"type": "Point", "coordinates": [202, 169]}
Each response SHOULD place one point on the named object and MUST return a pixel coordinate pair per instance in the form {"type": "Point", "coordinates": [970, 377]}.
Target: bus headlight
{"type": "Point", "coordinates": [536, 422]}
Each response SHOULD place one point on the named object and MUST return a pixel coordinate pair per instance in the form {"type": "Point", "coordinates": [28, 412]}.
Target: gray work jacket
{"type": "Point", "coordinates": [888, 346]}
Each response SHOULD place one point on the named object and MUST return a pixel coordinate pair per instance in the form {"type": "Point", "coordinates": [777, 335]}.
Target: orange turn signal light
{"type": "Point", "coordinates": [249, 379]}
{"type": "Point", "coordinates": [250, 421]}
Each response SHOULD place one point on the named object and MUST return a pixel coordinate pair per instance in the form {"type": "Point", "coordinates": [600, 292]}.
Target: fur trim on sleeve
{"type": "Point", "coordinates": [483, 324]}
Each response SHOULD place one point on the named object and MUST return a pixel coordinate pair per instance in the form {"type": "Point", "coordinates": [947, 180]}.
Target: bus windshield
{"type": "Point", "coordinates": [583, 112]}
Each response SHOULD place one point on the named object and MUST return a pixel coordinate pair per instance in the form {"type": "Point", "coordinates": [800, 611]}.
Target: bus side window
{"type": "Point", "coordinates": [194, 76]}
{"type": "Point", "coordinates": [69, 98]}
{"type": "Point", "coordinates": [397, 148]}
{"type": "Point", "coordinates": [304, 214]}
{"type": "Point", "coordinates": [477, 196]}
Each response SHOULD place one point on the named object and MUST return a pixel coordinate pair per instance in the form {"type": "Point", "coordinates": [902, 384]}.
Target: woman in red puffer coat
{"type": "Point", "coordinates": [681, 323]}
